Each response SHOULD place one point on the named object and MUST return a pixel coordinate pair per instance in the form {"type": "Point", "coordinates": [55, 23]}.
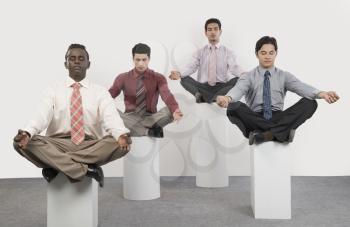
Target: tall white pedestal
{"type": "Point", "coordinates": [210, 162]}
{"type": "Point", "coordinates": [141, 170]}
{"type": "Point", "coordinates": [271, 180]}
{"type": "Point", "coordinates": [72, 204]}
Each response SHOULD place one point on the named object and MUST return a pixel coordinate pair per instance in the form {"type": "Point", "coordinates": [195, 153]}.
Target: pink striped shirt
{"type": "Point", "coordinates": [226, 67]}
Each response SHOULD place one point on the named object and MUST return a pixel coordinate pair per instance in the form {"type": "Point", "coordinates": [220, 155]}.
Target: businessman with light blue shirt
{"type": "Point", "coordinates": [262, 117]}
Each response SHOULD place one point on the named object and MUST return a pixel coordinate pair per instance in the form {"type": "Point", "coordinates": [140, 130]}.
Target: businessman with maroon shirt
{"type": "Point", "coordinates": [141, 87]}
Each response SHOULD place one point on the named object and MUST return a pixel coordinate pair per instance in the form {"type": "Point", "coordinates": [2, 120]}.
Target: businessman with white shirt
{"type": "Point", "coordinates": [77, 114]}
{"type": "Point", "coordinates": [216, 64]}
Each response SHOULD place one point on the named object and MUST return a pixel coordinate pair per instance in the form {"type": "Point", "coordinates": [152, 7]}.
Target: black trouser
{"type": "Point", "coordinates": [281, 122]}
{"type": "Point", "coordinates": [208, 92]}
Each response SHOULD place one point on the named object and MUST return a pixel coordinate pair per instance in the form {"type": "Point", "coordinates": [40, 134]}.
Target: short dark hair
{"type": "Point", "coordinates": [212, 20]}
{"type": "Point", "coordinates": [265, 40]}
{"type": "Point", "coordinates": [79, 46]}
{"type": "Point", "coordinates": [141, 48]}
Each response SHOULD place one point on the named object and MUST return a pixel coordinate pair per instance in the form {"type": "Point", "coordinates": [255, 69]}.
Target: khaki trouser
{"type": "Point", "coordinates": [60, 153]}
{"type": "Point", "coordinates": [139, 125]}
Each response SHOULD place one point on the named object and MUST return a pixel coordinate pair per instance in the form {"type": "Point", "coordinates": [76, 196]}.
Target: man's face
{"type": "Point", "coordinates": [213, 33]}
{"type": "Point", "coordinates": [267, 55]}
{"type": "Point", "coordinates": [77, 63]}
{"type": "Point", "coordinates": [141, 62]}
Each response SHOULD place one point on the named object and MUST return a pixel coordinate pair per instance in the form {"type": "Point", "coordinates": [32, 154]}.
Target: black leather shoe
{"type": "Point", "coordinates": [156, 132]}
{"type": "Point", "coordinates": [291, 136]}
{"type": "Point", "coordinates": [49, 174]}
{"type": "Point", "coordinates": [255, 137]}
{"type": "Point", "coordinates": [251, 138]}
{"type": "Point", "coordinates": [96, 173]}
{"type": "Point", "coordinates": [199, 97]}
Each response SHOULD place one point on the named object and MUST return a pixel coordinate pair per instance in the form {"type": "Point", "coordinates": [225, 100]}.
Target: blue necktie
{"type": "Point", "coordinates": [267, 96]}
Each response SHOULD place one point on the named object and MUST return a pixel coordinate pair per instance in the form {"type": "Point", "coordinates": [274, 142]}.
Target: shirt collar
{"type": "Point", "coordinates": [216, 45]}
{"type": "Point", "coordinates": [136, 74]}
{"type": "Point", "coordinates": [263, 70]}
{"type": "Point", "coordinates": [84, 83]}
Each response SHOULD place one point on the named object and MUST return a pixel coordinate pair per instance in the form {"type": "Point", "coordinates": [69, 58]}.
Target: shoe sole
{"type": "Point", "coordinates": [291, 135]}
{"type": "Point", "coordinates": [251, 138]}
{"type": "Point", "coordinates": [101, 183]}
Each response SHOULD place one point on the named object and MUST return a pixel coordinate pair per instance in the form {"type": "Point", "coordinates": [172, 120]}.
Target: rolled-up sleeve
{"type": "Point", "coordinates": [112, 122]}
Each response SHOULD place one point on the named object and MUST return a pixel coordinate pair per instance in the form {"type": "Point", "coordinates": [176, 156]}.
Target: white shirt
{"type": "Point", "coordinates": [99, 110]}
{"type": "Point", "coordinates": [226, 65]}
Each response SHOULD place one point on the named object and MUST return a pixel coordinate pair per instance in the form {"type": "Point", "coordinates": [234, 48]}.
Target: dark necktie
{"type": "Point", "coordinates": [140, 96]}
{"type": "Point", "coordinates": [267, 96]}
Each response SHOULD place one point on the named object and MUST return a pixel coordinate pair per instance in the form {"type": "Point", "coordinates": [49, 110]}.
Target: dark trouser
{"type": "Point", "coordinates": [60, 153]}
{"type": "Point", "coordinates": [281, 122]}
{"type": "Point", "coordinates": [208, 92]}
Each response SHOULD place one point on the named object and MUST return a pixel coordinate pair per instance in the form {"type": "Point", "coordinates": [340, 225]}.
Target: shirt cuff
{"type": "Point", "coordinates": [182, 74]}
{"type": "Point", "coordinates": [31, 131]}
{"type": "Point", "coordinates": [118, 133]}
{"type": "Point", "coordinates": [231, 99]}
{"type": "Point", "coordinates": [315, 93]}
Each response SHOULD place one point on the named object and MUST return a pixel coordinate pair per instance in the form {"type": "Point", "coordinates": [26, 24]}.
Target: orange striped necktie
{"type": "Point", "coordinates": [76, 114]}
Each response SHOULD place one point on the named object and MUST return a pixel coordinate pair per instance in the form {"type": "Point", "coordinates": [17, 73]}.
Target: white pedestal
{"type": "Point", "coordinates": [210, 162]}
{"type": "Point", "coordinates": [271, 181]}
{"type": "Point", "coordinates": [141, 170]}
{"type": "Point", "coordinates": [72, 204]}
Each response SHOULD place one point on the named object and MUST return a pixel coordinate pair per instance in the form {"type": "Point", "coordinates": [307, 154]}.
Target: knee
{"type": "Point", "coordinates": [167, 112]}
{"type": "Point", "coordinates": [109, 139]}
{"type": "Point", "coordinates": [125, 152]}
{"type": "Point", "coordinates": [314, 104]}
{"type": "Point", "coordinates": [233, 81]}
{"type": "Point", "coordinates": [310, 103]}
{"type": "Point", "coordinates": [232, 107]}
{"type": "Point", "coordinates": [188, 81]}
{"type": "Point", "coordinates": [17, 147]}
{"type": "Point", "coordinates": [184, 80]}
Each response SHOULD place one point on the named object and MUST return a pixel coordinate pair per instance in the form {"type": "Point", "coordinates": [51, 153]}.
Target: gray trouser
{"type": "Point", "coordinates": [60, 153]}
{"type": "Point", "coordinates": [139, 124]}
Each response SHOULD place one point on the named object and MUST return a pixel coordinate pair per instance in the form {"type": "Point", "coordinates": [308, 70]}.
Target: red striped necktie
{"type": "Point", "coordinates": [76, 114]}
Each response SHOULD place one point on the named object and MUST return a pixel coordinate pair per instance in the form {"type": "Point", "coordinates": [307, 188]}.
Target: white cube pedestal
{"type": "Point", "coordinates": [72, 204]}
{"type": "Point", "coordinates": [141, 170]}
{"type": "Point", "coordinates": [211, 170]}
{"type": "Point", "coordinates": [270, 181]}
